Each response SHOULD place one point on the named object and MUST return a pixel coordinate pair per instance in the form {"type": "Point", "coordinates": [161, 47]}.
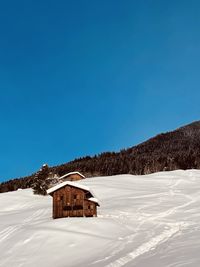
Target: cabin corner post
{"type": "Point", "coordinates": [84, 205]}
{"type": "Point", "coordinates": [95, 212]}
{"type": "Point", "coordinates": [53, 206]}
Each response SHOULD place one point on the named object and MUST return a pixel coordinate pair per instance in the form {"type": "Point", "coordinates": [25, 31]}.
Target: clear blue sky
{"type": "Point", "coordinates": [82, 77]}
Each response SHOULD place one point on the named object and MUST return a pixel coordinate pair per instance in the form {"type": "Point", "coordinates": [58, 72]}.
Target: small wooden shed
{"type": "Point", "coordinates": [71, 199]}
{"type": "Point", "coordinates": [72, 176]}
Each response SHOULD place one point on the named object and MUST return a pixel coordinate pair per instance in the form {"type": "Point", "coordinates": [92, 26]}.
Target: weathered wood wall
{"type": "Point", "coordinates": [71, 202]}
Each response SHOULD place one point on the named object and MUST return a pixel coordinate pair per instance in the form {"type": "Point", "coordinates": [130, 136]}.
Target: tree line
{"type": "Point", "coordinates": [179, 149]}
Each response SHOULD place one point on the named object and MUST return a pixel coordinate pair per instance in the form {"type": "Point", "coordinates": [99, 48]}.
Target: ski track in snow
{"type": "Point", "coordinates": [154, 241]}
{"type": "Point", "coordinates": [146, 247]}
{"type": "Point", "coordinates": [11, 230]}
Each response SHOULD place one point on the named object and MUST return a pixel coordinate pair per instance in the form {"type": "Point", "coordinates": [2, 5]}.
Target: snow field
{"type": "Point", "coordinates": [150, 220]}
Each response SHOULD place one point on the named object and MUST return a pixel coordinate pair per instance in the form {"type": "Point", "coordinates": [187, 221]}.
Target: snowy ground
{"type": "Point", "coordinates": [143, 221]}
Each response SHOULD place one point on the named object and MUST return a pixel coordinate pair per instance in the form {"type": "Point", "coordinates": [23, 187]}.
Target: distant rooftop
{"type": "Point", "coordinates": [71, 173]}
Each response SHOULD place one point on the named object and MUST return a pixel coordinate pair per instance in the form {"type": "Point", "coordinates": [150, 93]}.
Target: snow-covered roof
{"type": "Point", "coordinates": [71, 173]}
{"type": "Point", "coordinates": [94, 199]}
{"type": "Point", "coordinates": [74, 184]}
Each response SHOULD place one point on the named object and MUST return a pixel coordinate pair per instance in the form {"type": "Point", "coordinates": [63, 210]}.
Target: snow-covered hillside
{"type": "Point", "coordinates": [143, 221]}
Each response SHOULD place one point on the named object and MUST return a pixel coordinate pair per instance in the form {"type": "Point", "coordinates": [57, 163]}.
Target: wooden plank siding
{"type": "Point", "coordinates": [69, 201]}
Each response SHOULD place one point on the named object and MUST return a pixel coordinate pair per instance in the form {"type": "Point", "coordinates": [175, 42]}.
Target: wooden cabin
{"type": "Point", "coordinates": [72, 176]}
{"type": "Point", "coordinates": [73, 200]}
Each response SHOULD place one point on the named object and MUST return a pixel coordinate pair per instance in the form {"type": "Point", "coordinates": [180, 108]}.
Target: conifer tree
{"type": "Point", "coordinates": [41, 182]}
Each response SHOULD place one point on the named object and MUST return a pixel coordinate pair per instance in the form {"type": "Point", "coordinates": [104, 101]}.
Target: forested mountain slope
{"type": "Point", "coordinates": [179, 149]}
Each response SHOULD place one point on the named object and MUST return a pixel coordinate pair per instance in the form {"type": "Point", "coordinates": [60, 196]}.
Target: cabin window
{"type": "Point", "coordinates": [61, 198]}
{"type": "Point", "coordinates": [76, 197]}
{"type": "Point", "coordinates": [67, 208]}
{"type": "Point", "coordinates": [78, 207]}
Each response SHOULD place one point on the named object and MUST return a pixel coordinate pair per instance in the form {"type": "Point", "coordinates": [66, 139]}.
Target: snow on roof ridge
{"type": "Point", "coordinates": [75, 184]}
{"type": "Point", "coordinates": [70, 173]}
{"type": "Point", "coordinates": [94, 199]}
